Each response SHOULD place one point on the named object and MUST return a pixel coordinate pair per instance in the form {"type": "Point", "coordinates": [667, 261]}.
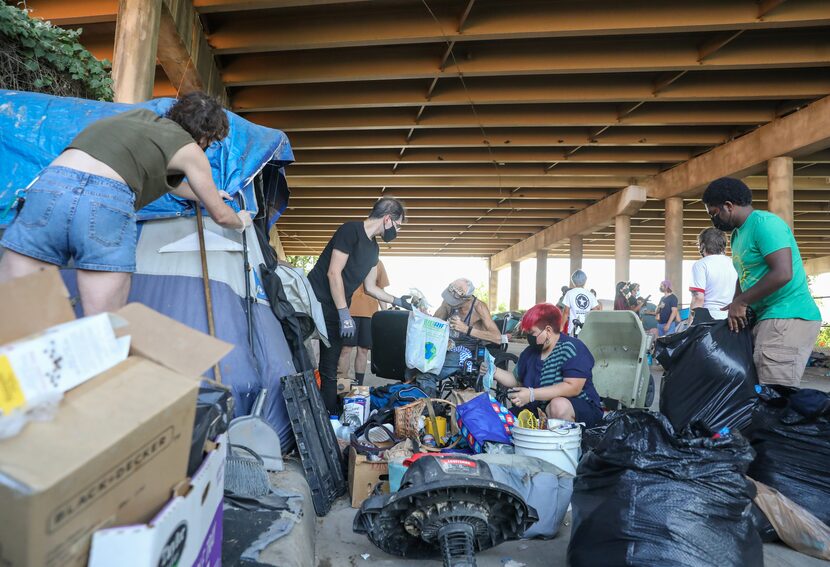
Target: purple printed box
{"type": "Point", "coordinates": [187, 532]}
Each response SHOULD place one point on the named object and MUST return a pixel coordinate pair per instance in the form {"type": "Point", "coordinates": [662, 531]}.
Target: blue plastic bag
{"type": "Point", "coordinates": [484, 419]}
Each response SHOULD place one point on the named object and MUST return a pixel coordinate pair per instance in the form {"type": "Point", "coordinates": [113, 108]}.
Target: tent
{"type": "Point", "coordinates": [248, 165]}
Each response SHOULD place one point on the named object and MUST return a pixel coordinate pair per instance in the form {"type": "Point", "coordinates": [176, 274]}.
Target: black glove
{"type": "Point", "coordinates": [347, 325]}
{"type": "Point", "coordinates": [403, 302]}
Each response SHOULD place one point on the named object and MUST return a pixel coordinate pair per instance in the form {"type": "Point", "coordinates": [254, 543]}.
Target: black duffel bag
{"type": "Point", "coordinates": [647, 497]}
{"type": "Point", "coordinates": [710, 377]}
{"type": "Point", "coordinates": [791, 437]}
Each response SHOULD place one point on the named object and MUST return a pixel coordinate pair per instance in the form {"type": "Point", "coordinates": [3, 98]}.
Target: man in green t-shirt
{"type": "Point", "coordinates": [771, 280]}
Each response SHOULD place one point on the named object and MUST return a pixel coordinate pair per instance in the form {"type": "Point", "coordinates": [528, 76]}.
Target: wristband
{"type": "Point", "coordinates": [532, 396]}
{"type": "Point", "coordinates": [469, 330]}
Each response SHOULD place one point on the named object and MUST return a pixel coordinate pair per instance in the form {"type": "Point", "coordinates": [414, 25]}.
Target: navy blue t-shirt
{"type": "Point", "coordinates": [665, 307]}
{"type": "Point", "coordinates": [570, 358]}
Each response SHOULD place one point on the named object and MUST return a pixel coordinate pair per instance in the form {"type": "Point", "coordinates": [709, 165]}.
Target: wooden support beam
{"type": "Point", "coordinates": [136, 41]}
{"type": "Point", "coordinates": [541, 155]}
{"type": "Point", "coordinates": [450, 169]}
{"type": "Point", "coordinates": [699, 113]}
{"type": "Point", "coordinates": [443, 204]}
{"type": "Point", "coordinates": [498, 138]}
{"type": "Point", "coordinates": [522, 58]}
{"type": "Point", "coordinates": [626, 202]}
{"type": "Point", "coordinates": [397, 24]}
{"type": "Point", "coordinates": [800, 133]}
{"type": "Point", "coordinates": [184, 53]}
{"type": "Point", "coordinates": [460, 181]}
{"type": "Point", "coordinates": [716, 43]}
{"type": "Point", "coordinates": [667, 79]}
{"type": "Point", "coordinates": [617, 88]}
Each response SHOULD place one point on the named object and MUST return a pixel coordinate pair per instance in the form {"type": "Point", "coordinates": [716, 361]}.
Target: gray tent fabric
{"type": "Point", "coordinates": [246, 372]}
{"type": "Point", "coordinates": [301, 297]}
{"type": "Point", "coordinates": [542, 485]}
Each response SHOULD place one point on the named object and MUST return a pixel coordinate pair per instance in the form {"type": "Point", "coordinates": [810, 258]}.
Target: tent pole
{"type": "Point", "coordinates": [200, 229]}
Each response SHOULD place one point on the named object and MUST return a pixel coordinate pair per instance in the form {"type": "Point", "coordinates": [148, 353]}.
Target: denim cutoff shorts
{"type": "Point", "coordinates": [71, 214]}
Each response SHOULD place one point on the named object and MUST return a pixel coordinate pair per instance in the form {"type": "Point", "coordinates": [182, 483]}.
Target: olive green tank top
{"type": "Point", "coordinates": [138, 145]}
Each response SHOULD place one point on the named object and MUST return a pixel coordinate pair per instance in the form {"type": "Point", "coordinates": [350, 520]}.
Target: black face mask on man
{"type": "Point", "coordinates": [720, 224]}
{"type": "Point", "coordinates": [389, 234]}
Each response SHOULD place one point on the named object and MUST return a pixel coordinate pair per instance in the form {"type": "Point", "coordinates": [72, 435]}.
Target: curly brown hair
{"type": "Point", "coordinates": [201, 115]}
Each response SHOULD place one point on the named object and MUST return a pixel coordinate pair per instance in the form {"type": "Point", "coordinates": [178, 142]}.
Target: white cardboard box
{"type": "Point", "coordinates": [186, 532]}
{"type": "Point", "coordinates": [57, 359]}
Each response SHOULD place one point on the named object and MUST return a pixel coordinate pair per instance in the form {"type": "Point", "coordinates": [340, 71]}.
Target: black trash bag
{"type": "Point", "coordinates": [647, 497]}
{"type": "Point", "coordinates": [710, 377]}
{"type": "Point", "coordinates": [791, 437]}
{"type": "Point", "coordinates": [763, 525]}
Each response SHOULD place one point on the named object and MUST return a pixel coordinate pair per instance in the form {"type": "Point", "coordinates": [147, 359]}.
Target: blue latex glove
{"type": "Point", "coordinates": [347, 325]}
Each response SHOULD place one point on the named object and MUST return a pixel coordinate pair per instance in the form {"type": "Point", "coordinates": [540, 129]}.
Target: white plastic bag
{"type": "Point", "coordinates": [426, 342]}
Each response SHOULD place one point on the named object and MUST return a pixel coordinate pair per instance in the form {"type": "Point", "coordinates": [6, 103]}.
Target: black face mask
{"type": "Point", "coordinates": [723, 225]}
{"type": "Point", "coordinates": [389, 234]}
{"type": "Point", "coordinates": [531, 340]}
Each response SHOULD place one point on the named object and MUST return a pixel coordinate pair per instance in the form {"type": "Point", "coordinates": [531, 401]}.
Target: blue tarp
{"type": "Point", "coordinates": [35, 128]}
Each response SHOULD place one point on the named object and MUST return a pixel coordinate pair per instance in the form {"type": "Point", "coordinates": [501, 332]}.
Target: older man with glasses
{"type": "Point", "coordinates": [470, 321]}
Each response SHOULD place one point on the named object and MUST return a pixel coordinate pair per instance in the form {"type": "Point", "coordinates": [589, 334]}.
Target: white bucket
{"type": "Point", "coordinates": [559, 447]}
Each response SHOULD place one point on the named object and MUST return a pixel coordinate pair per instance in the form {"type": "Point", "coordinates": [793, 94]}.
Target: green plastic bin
{"type": "Point", "coordinates": [619, 345]}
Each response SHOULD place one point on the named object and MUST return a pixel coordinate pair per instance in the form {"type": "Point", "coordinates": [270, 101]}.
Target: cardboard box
{"type": "Point", "coordinates": [364, 475]}
{"type": "Point", "coordinates": [119, 442]}
{"type": "Point", "coordinates": [344, 386]}
{"type": "Point", "coordinates": [36, 369]}
{"type": "Point", "coordinates": [186, 532]}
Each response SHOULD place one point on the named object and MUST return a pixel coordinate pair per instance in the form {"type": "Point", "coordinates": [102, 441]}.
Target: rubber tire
{"type": "Point", "coordinates": [650, 391]}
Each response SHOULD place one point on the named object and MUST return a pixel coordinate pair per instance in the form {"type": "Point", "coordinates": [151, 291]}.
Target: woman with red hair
{"type": "Point", "coordinates": [554, 372]}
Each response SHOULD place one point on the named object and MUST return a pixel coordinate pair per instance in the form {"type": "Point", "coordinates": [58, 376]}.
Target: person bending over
{"type": "Point", "coordinates": [82, 206]}
{"type": "Point", "coordinates": [349, 259]}
{"type": "Point", "coordinates": [554, 372]}
{"type": "Point", "coordinates": [470, 321]}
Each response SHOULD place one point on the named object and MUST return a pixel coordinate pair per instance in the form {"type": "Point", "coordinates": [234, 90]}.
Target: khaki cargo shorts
{"type": "Point", "coordinates": [782, 347]}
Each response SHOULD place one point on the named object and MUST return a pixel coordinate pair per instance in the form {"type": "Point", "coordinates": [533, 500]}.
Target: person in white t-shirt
{"type": "Point", "coordinates": [713, 276]}
{"type": "Point", "coordinates": [578, 302]}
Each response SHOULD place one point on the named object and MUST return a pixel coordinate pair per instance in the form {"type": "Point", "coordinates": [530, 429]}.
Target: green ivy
{"type": "Point", "coordinates": [53, 55]}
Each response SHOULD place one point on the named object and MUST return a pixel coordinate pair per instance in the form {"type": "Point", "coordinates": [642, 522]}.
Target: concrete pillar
{"type": "Point", "coordinates": [136, 43]}
{"type": "Point", "coordinates": [576, 253]}
{"type": "Point", "coordinates": [493, 291]}
{"type": "Point", "coordinates": [674, 243]}
{"type": "Point", "coordinates": [780, 188]}
{"type": "Point", "coordinates": [622, 247]}
{"type": "Point", "coordinates": [514, 286]}
{"type": "Point", "coordinates": [541, 275]}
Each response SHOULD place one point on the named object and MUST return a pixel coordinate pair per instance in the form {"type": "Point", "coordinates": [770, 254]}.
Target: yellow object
{"type": "Point", "coordinates": [441, 422]}
{"type": "Point", "coordinates": [11, 395]}
{"type": "Point", "coordinates": [527, 420]}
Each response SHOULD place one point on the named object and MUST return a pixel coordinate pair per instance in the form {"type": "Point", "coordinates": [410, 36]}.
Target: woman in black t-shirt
{"type": "Point", "coordinates": [349, 259]}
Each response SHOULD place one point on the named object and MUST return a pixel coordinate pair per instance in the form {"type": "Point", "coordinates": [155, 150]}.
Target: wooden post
{"type": "Point", "coordinates": [493, 291]}
{"type": "Point", "coordinates": [576, 252]}
{"type": "Point", "coordinates": [514, 286]}
{"type": "Point", "coordinates": [622, 247]}
{"type": "Point", "coordinates": [541, 275]}
{"type": "Point", "coordinates": [780, 188]}
{"type": "Point", "coordinates": [136, 42]}
{"type": "Point", "coordinates": [674, 244]}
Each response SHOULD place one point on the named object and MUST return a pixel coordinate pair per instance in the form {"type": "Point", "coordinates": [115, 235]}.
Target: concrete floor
{"type": "Point", "coordinates": [338, 545]}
